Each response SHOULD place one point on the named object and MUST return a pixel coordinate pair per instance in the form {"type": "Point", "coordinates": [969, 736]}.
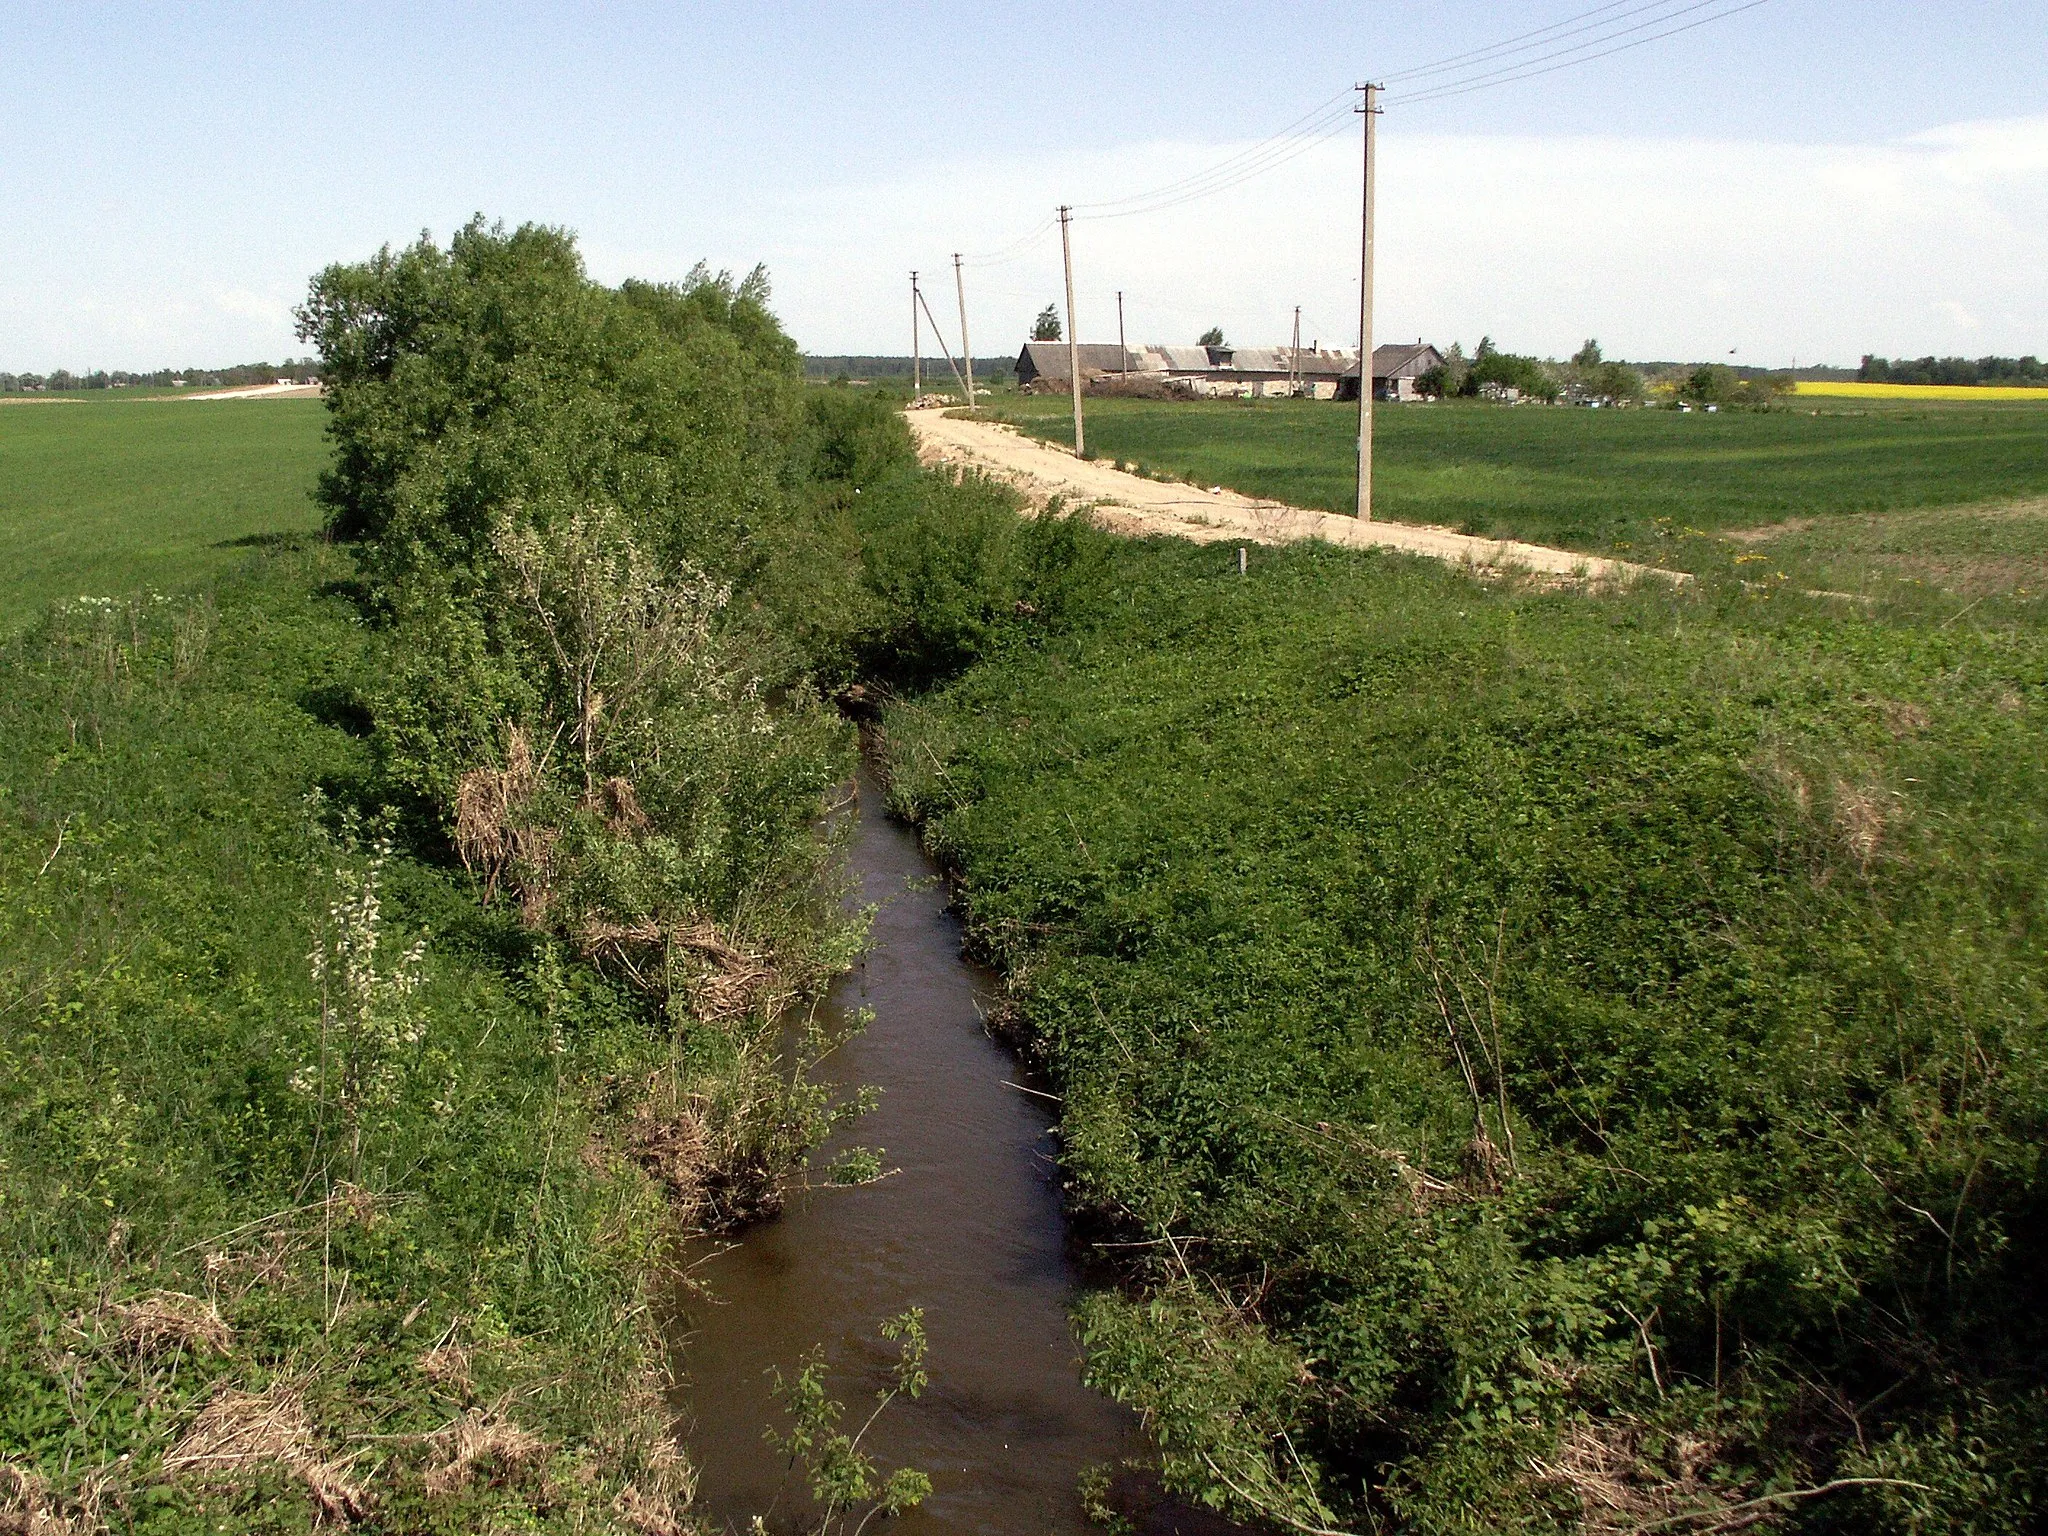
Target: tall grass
{"type": "Point", "coordinates": [270, 1238]}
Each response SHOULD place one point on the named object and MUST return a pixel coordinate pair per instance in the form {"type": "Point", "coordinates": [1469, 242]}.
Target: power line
{"type": "Point", "coordinates": [1323, 122]}
{"type": "Point", "coordinates": [1486, 82]}
{"type": "Point", "coordinates": [1522, 42]}
{"type": "Point", "coordinates": [1320, 110]}
{"type": "Point", "coordinates": [1220, 179]}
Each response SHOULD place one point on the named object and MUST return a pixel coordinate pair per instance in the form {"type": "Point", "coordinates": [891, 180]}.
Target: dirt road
{"type": "Point", "coordinates": [1127, 503]}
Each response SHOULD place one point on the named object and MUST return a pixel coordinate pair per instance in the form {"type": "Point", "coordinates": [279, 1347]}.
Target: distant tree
{"type": "Point", "coordinates": [1447, 378]}
{"type": "Point", "coordinates": [1711, 384]}
{"type": "Point", "coordinates": [1527, 375]}
{"type": "Point", "coordinates": [1212, 337]}
{"type": "Point", "coordinates": [1614, 381]}
{"type": "Point", "coordinates": [1718, 384]}
{"type": "Point", "coordinates": [1047, 326]}
{"type": "Point", "coordinates": [1953, 370]}
{"type": "Point", "coordinates": [1587, 356]}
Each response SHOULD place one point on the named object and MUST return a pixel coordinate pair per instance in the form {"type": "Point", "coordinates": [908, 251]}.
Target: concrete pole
{"type": "Point", "coordinates": [1371, 112]}
{"type": "Point", "coordinates": [966, 352]}
{"type": "Point", "coordinates": [940, 337]}
{"type": "Point", "coordinates": [1294, 360]}
{"type": "Point", "coordinates": [1124, 348]}
{"type": "Point", "coordinates": [916, 374]}
{"type": "Point", "coordinates": [1073, 331]}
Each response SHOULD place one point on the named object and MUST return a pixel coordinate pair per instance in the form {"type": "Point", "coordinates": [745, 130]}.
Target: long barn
{"type": "Point", "coordinates": [1325, 373]}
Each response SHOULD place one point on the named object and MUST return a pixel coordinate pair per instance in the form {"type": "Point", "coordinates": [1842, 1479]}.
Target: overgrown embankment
{"type": "Point", "coordinates": [1554, 1058]}
{"type": "Point", "coordinates": [333, 1173]}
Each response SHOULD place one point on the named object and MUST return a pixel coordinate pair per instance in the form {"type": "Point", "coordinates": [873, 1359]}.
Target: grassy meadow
{"type": "Point", "coordinates": [1645, 484]}
{"type": "Point", "coordinates": [110, 495]}
{"type": "Point", "coordinates": [1549, 1059]}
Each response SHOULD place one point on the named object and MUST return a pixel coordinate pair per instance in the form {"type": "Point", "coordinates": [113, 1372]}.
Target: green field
{"type": "Point", "coordinates": [1632, 483]}
{"type": "Point", "coordinates": [105, 497]}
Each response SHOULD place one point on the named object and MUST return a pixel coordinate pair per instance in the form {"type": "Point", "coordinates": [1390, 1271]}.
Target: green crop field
{"type": "Point", "coordinates": [1612, 482]}
{"type": "Point", "coordinates": [104, 497]}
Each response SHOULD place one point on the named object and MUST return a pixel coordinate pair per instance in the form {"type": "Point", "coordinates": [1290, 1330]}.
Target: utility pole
{"type": "Point", "coordinates": [916, 373]}
{"type": "Point", "coordinates": [1073, 331]}
{"type": "Point", "coordinates": [966, 354]}
{"type": "Point", "coordinates": [1294, 360]}
{"type": "Point", "coordinates": [1371, 112]}
{"type": "Point", "coordinates": [1123, 348]}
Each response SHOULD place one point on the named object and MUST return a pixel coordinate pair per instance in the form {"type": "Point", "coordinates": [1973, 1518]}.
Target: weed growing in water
{"type": "Point", "coordinates": [843, 1479]}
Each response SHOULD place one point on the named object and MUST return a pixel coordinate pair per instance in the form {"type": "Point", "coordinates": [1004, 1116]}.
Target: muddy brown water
{"type": "Point", "coordinates": [969, 1228]}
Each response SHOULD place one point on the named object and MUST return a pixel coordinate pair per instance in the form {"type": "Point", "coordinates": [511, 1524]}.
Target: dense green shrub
{"type": "Point", "coordinates": [574, 508]}
{"type": "Point", "coordinates": [1558, 1053]}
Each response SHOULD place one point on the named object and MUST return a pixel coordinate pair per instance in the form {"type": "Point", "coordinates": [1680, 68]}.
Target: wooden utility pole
{"type": "Point", "coordinates": [1073, 331]}
{"type": "Point", "coordinates": [1371, 112]}
{"type": "Point", "coordinates": [916, 372]}
{"type": "Point", "coordinates": [1294, 360]}
{"type": "Point", "coordinates": [1122, 347]}
{"type": "Point", "coordinates": [966, 352]}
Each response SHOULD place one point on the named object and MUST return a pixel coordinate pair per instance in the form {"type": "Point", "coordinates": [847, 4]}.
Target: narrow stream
{"type": "Point", "coordinates": [969, 1228]}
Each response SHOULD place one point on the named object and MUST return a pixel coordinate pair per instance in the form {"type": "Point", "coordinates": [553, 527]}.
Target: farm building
{"type": "Point", "coordinates": [1326, 374]}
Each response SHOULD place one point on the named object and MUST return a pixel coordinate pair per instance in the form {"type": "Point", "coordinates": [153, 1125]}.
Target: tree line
{"type": "Point", "coordinates": [1953, 370]}
{"type": "Point", "coordinates": [305, 368]}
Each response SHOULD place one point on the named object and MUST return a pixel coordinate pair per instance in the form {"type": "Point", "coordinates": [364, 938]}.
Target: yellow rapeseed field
{"type": "Point", "coordinates": [1923, 391]}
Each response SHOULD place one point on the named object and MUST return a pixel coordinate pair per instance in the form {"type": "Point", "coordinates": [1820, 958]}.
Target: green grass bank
{"type": "Point", "coordinates": [1550, 1060]}
{"type": "Point", "coordinates": [114, 495]}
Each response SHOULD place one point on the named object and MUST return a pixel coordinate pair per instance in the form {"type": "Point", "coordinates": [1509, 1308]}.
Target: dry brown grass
{"type": "Point", "coordinates": [30, 1507]}
{"type": "Point", "coordinates": [482, 1441]}
{"type": "Point", "coordinates": [708, 1158]}
{"type": "Point", "coordinates": [164, 1321]}
{"type": "Point", "coordinates": [1621, 1490]}
{"type": "Point", "coordinates": [721, 980]}
{"type": "Point", "coordinates": [496, 838]}
{"type": "Point", "coordinates": [447, 1365]}
{"type": "Point", "coordinates": [1863, 813]}
{"type": "Point", "coordinates": [655, 1502]}
{"type": "Point", "coordinates": [240, 1432]}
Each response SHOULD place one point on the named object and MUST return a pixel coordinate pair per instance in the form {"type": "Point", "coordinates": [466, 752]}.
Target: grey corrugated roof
{"type": "Point", "coordinates": [1048, 359]}
{"type": "Point", "coordinates": [1403, 359]}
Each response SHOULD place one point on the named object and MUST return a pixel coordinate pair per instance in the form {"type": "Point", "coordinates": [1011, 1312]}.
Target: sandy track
{"type": "Point", "coordinates": [1126, 503]}
{"type": "Point", "coordinates": [257, 392]}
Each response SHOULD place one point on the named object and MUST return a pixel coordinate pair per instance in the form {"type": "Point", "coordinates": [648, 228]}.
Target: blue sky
{"type": "Point", "coordinates": [1807, 179]}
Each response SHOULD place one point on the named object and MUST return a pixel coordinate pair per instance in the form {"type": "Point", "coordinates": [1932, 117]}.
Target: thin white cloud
{"type": "Point", "coordinates": [1663, 248]}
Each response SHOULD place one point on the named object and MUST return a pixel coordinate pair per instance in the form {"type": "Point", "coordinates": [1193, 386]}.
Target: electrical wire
{"type": "Point", "coordinates": [1221, 179]}
{"type": "Point", "coordinates": [1320, 110]}
{"type": "Point", "coordinates": [1523, 42]}
{"type": "Point", "coordinates": [1323, 123]}
{"type": "Point", "coordinates": [1002, 255]}
{"type": "Point", "coordinates": [1508, 77]}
